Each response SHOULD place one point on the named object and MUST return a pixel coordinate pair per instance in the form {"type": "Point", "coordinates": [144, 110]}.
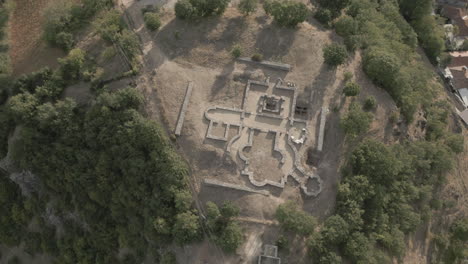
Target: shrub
{"type": "Point", "coordinates": [370, 103]}
{"type": "Point", "coordinates": [282, 243]}
{"type": "Point", "coordinates": [347, 76]}
{"type": "Point", "coordinates": [247, 7]}
{"type": "Point", "coordinates": [352, 42]}
{"type": "Point", "coordinates": [109, 25]}
{"type": "Point", "coordinates": [382, 67]}
{"type": "Point", "coordinates": [335, 54]}
{"type": "Point", "coordinates": [186, 228]}
{"type": "Point", "coordinates": [184, 9]}
{"type": "Point", "coordinates": [257, 57]}
{"type": "Point", "coordinates": [152, 21]}
{"type": "Point", "coordinates": [64, 40]}
{"type": "Point", "coordinates": [291, 218]}
{"type": "Point", "coordinates": [394, 117]}
{"type": "Point", "coordinates": [286, 13]}
{"type": "Point", "coordinates": [351, 89]}
{"type": "Point", "coordinates": [236, 51]}
{"type": "Point", "coordinates": [455, 143]}
{"type": "Point", "coordinates": [324, 16]}
{"type": "Point", "coordinates": [356, 121]}
{"type": "Point", "coordinates": [346, 26]}
{"type": "Point", "coordinates": [230, 238]}
{"type": "Point", "coordinates": [191, 9]}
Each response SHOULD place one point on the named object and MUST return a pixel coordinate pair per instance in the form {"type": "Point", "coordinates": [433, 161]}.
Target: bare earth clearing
{"type": "Point", "coordinates": [28, 51]}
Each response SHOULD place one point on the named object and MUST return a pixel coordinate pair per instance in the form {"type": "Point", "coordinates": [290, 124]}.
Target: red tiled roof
{"type": "Point", "coordinates": [457, 15]}
{"type": "Point", "coordinates": [459, 79]}
{"type": "Point", "coordinates": [458, 62]}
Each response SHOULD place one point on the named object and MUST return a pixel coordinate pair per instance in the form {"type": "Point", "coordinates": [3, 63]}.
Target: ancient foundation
{"type": "Point", "coordinates": [266, 108]}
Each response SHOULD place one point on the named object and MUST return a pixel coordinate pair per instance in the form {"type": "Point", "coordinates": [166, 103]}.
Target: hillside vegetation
{"type": "Point", "coordinates": [106, 178]}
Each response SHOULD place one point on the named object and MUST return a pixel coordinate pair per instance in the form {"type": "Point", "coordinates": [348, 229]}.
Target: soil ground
{"type": "Point", "coordinates": [28, 51]}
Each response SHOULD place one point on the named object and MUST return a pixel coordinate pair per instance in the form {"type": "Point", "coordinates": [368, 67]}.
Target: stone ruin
{"type": "Point", "coordinates": [267, 108]}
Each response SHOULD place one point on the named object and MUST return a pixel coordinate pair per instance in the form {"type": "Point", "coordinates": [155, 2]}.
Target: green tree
{"type": "Point", "coordinates": [184, 9]}
{"type": "Point", "coordinates": [335, 54]}
{"type": "Point", "coordinates": [382, 67]}
{"type": "Point", "coordinates": [192, 9]}
{"type": "Point", "coordinates": [152, 21]}
{"type": "Point", "coordinates": [247, 7]}
{"type": "Point", "coordinates": [459, 229]}
{"type": "Point", "coordinates": [346, 26]}
{"type": "Point", "coordinates": [370, 103]}
{"type": "Point", "coordinates": [286, 13]}
{"type": "Point", "coordinates": [186, 228]}
{"type": "Point", "coordinates": [71, 66]}
{"type": "Point", "coordinates": [23, 106]}
{"type": "Point", "coordinates": [351, 89]}
{"type": "Point", "coordinates": [230, 238]}
{"type": "Point", "coordinates": [335, 230]}
{"type": "Point", "coordinates": [356, 121]}
{"type": "Point", "coordinates": [324, 16]}
{"type": "Point", "coordinates": [335, 5]}
{"type": "Point", "coordinates": [357, 247]}
{"type": "Point", "coordinates": [293, 219]}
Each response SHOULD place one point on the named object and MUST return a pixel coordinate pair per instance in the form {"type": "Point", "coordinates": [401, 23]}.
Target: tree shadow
{"type": "Point", "coordinates": [273, 42]}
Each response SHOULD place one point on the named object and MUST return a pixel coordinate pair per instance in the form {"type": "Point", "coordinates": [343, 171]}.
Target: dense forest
{"type": "Point", "coordinates": [105, 177]}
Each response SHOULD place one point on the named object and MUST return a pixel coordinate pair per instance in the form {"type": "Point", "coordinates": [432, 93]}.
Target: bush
{"type": "Point", "coordinates": [324, 16]}
{"type": "Point", "coordinates": [236, 51]}
{"type": "Point", "coordinates": [109, 25]}
{"type": "Point", "coordinates": [335, 54]}
{"type": "Point", "coordinates": [370, 103]}
{"type": "Point", "coordinates": [257, 57]}
{"type": "Point", "coordinates": [227, 233]}
{"type": "Point", "coordinates": [152, 21]}
{"type": "Point", "coordinates": [382, 67]}
{"type": "Point", "coordinates": [351, 89]}
{"type": "Point", "coordinates": [352, 42]}
{"type": "Point", "coordinates": [346, 26]}
{"type": "Point", "coordinates": [292, 219]}
{"type": "Point", "coordinates": [230, 238]}
{"type": "Point", "coordinates": [184, 9]}
{"type": "Point", "coordinates": [356, 121]}
{"type": "Point", "coordinates": [64, 40]}
{"type": "Point", "coordinates": [456, 143]}
{"type": "Point", "coordinates": [192, 9]}
{"type": "Point", "coordinates": [286, 13]}
{"type": "Point", "coordinates": [247, 7]}
{"type": "Point", "coordinates": [186, 228]}
{"type": "Point", "coordinates": [347, 76]}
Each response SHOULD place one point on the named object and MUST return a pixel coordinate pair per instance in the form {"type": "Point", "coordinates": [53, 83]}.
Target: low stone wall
{"type": "Point", "coordinates": [216, 183]}
{"type": "Point", "coordinates": [270, 64]}
{"type": "Point", "coordinates": [323, 119]}
{"type": "Point", "coordinates": [180, 120]}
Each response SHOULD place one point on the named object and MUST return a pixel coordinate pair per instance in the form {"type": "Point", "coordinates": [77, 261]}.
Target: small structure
{"type": "Point", "coordinates": [269, 255]}
{"type": "Point", "coordinates": [271, 104]}
{"type": "Point", "coordinates": [183, 109]}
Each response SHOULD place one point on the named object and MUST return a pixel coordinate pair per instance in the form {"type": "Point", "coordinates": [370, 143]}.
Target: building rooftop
{"type": "Point", "coordinates": [459, 16]}
{"type": "Point", "coordinates": [464, 116]}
